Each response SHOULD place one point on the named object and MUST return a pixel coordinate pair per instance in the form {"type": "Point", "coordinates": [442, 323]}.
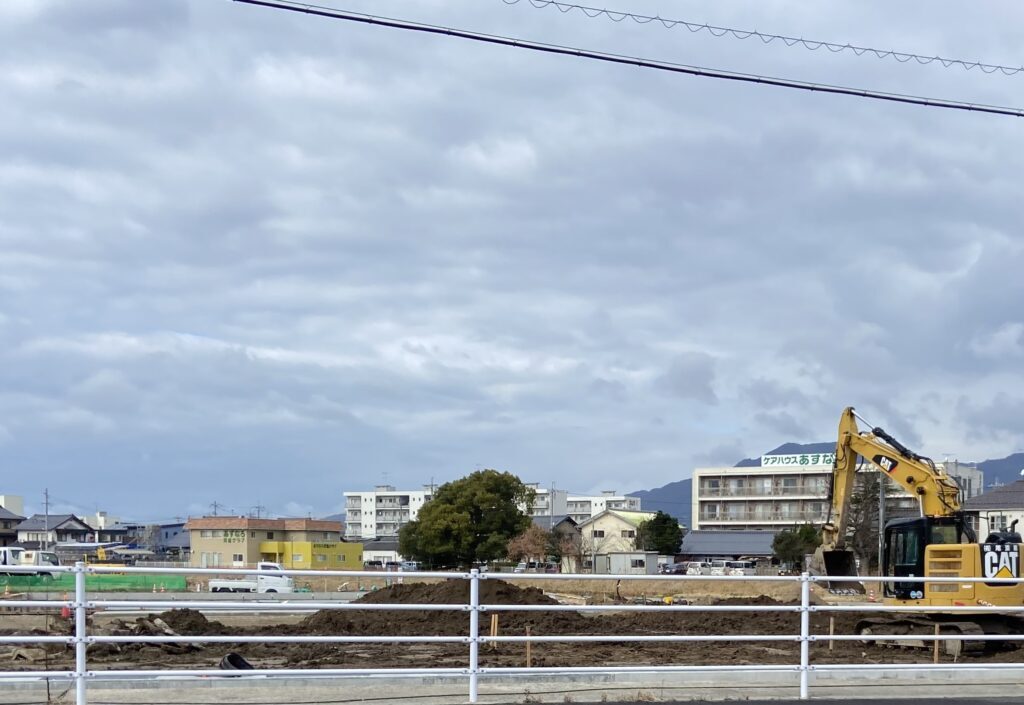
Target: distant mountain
{"type": "Point", "coordinates": [673, 498]}
{"type": "Point", "coordinates": [1003, 470]}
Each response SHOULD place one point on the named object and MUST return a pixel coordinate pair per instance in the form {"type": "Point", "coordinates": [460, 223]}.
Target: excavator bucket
{"type": "Point", "coordinates": [839, 563]}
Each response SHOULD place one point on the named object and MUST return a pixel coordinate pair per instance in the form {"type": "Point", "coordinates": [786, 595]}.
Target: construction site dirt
{"type": "Point", "coordinates": [189, 622]}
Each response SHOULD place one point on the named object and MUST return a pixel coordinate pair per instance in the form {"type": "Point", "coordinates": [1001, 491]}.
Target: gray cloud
{"type": "Point", "coordinates": [240, 243]}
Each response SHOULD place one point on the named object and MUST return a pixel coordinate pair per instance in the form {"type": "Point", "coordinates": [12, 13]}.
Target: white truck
{"type": "Point", "coordinates": [17, 556]}
{"type": "Point", "coordinates": [265, 580]}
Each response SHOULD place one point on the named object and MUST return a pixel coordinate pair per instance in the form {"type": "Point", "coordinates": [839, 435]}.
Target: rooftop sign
{"type": "Point", "coordinates": [798, 459]}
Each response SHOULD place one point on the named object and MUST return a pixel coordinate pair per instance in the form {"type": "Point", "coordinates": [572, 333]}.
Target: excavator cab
{"type": "Point", "coordinates": [904, 549]}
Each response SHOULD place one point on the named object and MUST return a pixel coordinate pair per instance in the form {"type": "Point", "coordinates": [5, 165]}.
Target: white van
{"type": "Point", "coordinates": [740, 568]}
{"type": "Point", "coordinates": [718, 567]}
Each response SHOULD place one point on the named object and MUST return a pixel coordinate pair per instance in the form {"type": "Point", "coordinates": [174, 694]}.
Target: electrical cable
{"type": "Point", "coordinates": [321, 11]}
{"type": "Point", "coordinates": [811, 44]}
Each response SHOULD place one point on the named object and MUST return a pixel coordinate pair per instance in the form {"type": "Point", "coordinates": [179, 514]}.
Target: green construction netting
{"type": "Point", "coordinates": [65, 582]}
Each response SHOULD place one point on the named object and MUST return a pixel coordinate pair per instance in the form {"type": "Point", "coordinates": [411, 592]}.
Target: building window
{"type": "Point", "coordinates": [270, 535]}
{"type": "Point", "coordinates": [297, 558]}
{"type": "Point", "coordinates": [628, 534]}
{"type": "Point", "coordinates": [205, 534]}
{"type": "Point", "coordinates": [252, 534]}
{"type": "Point", "coordinates": [637, 563]}
{"type": "Point", "coordinates": [598, 534]}
{"type": "Point", "coordinates": [238, 558]}
{"type": "Point", "coordinates": [320, 558]}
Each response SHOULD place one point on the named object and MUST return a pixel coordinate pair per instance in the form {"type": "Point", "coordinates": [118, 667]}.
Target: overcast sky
{"type": "Point", "coordinates": [256, 257]}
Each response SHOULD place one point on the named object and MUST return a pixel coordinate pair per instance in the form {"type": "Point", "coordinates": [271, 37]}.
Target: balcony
{"type": "Point", "coordinates": [816, 491]}
{"type": "Point", "coordinates": [731, 517]}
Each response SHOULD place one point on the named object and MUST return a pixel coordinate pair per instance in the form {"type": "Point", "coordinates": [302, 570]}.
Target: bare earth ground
{"type": "Point", "coordinates": [493, 591]}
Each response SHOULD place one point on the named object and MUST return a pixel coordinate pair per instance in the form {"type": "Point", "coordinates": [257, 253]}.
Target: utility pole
{"type": "Point", "coordinates": [46, 520]}
{"type": "Point", "coordinates": [215, 507]}
{"type": "Point", "coordinates": [882, 480]}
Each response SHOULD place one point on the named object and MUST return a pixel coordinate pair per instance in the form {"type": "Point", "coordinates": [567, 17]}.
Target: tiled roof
{"type": "Point", "coordinates": [40, 522]}
{"type": "Point", "coordinates": [728, 543]}
{"type": "Point", "coordinates": [1009, 496]}
{"type": "Point", "coordinates": [8, 514]}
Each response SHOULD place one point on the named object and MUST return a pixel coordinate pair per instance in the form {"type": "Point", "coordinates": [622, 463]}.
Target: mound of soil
{"type": "Point", "coordinates": [190, 622]}
{"type": "Point", "coordinates": [456, 592]}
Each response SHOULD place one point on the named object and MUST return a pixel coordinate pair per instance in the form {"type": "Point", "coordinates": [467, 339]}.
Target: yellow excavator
{"type": "Point", "coordinates": [938, 543]}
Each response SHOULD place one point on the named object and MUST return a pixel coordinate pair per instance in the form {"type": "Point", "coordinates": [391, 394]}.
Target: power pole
{"type": "Point", "coordinates": [46, 520]}
{"type": "Point", "coordinates": [215, 507]}
{"type": "Point", "coordinates": [882, 480]}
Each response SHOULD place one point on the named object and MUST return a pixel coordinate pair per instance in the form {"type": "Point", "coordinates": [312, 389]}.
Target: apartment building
{"type": "Point", "coordinates": [787, 490]}
{"type": "Point", "coordinates": [582, 507]}
{"type": "Point", "coordinates": [382, 512]}
{"type": "Point", "coordinates": [547, 501]}
{"type": "Point", "coordinates": [241, 542]}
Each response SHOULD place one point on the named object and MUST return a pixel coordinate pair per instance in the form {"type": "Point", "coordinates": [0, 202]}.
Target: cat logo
{"type": "Point", "coordinates": [885, 462]}
{"type": "Point", "coordinates": [1000, 560]}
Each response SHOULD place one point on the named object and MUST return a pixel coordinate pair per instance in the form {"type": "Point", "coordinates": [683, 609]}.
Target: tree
{"type": "Point", "coordinates": [791, 545]}
{"type": "Point", "coordinates": [660, 533]}
{"type": "Point", "coordinates": [532, 544]}
{"type": "Point", "coordinates": [469, 520]}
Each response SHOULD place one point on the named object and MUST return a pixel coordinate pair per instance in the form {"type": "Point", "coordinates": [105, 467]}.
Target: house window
{"type": "Point", "coordinates": [320, 558]}
{"type": "Point", "coordinates": [252, 534]}
{"type": "Point", "coordinates": [270, 535]}
{"type": "Point", "coordinates": [598, 534]}
{"type": "Point", "coordinates": [628, 534]}
{"type": "Point", "coordinates": [637, 563]}
{"type": "Point", "coordinates": [297, 558]}
{"type": "Point", "coordinates": [238, 558]}
{"type": "Point", "coordinates": [206, 534]}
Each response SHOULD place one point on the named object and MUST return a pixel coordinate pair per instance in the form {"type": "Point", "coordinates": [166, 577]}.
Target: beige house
{"type": "Point", "coordinates": [241, 542]}
{"type": "Point", "coordinates": [611, 531]}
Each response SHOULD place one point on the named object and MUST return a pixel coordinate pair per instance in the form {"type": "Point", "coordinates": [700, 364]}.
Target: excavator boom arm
{"type": "Point", "coordinates": [938, 494]}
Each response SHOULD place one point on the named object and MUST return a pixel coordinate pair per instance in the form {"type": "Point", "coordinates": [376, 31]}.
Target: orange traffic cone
{"type": "Point", "coordinates": [871, 596]}
{"type": "Point", "coordinates": [65, 611]}
{"type": "Point", "coordinates": [162, 588]}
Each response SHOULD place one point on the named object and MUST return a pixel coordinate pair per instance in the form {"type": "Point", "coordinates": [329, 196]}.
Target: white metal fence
{"type": "Point", "coordinates": [80, 607]}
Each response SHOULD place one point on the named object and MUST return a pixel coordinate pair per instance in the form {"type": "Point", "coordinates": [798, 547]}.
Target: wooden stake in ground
{"type": "Point", "coordinates": [935, 650]}
{"type": "Point", "coordinates": [831, 632]}
{"type": "Point", "coordinates": [494, 629]}
{"type": "Point", "coordinates": [529, 650]}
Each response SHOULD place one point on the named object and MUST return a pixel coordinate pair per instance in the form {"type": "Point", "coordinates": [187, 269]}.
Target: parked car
{"type": "Point", "coordinates": [698, 568]}
{"type": "Point", "coordinates": [410, 566]}
{"type": "Point", "coordinates": [392, 565]}
{"type": "Point", "coordinates": [373, 565]}
{"type": "Point", "coordinates": [717, 568]}
{"type": "Point", "coordinates": [17, 556]}
{"type": "Point", "coordinates": [673, 568]}
{"type": "Point", "coordinates": [740, 568]}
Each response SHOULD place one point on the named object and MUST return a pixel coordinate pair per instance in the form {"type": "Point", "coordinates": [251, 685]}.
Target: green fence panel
{"type": "Point", "coordinates": [65, 582]}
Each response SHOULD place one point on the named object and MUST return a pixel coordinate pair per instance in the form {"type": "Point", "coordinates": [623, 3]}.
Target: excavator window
{"type": "Point", "coordinates": [905, 542]}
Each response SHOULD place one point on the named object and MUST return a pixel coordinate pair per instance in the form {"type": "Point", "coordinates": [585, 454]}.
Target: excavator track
{"type": "Point", "coordinates": [909, 627]}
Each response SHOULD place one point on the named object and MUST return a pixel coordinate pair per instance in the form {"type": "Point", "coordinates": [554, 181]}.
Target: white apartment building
{"type": "Point", "coordinates": [582, 507]}
{"type": "Point", "coordinates": [382, 512]}
{"type": "Point", "coordinates": [787, 490]}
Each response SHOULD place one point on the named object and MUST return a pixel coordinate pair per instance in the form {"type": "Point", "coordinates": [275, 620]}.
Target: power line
{"type": "Point", "coordinates": [811, 44]}
{"type": "Point", "coordinates": [332, 13]}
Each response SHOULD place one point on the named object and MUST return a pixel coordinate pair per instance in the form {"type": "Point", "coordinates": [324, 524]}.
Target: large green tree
{"type": "Point", "coordinates": [791, 545]}
{"type": "Point", "coordinates": [660, 533]}
{"type": "Point", "coordinates": [468, 520]}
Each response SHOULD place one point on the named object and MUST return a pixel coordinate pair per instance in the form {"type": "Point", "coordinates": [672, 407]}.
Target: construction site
{"type": "Point", "coordinates": [192, 622]}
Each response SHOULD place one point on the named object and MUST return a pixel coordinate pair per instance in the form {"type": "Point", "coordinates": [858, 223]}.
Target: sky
{"type": "Point", "coordinates": [260, 258]}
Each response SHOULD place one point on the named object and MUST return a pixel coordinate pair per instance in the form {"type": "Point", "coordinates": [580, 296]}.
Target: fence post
{"type": "Point", "coordinates": [474, 634]}
{"type": "Point", "coordinates": [80, 634]}
{"type": "Point", "coordinates": [805, 633]}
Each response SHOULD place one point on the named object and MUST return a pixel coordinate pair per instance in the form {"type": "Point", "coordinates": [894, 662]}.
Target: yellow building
{"type": "Point", "coordinates": [299, 544]}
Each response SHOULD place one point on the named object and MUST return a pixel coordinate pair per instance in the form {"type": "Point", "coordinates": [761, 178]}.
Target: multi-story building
{"type": "Point", "coordinates": [582, 507]}
{"type": "Point", "coordinates": [241, 542]}
{"type": "Point", "coordinates": [13, 503]}
{"type": "Point", "coordinates": [8, 521]}
{"type": "Point", "coordinates": [382, 512]}
{"type": "Point", "coordinates": [787, 490]}
{"type": "Point", "coordinates": [997, 509]}
{"type": "Point", "coordinates": [547, 502]}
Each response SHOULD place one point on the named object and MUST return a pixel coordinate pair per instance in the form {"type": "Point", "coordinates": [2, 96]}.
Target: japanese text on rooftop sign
{"type": "Point", "coordinates": [798, 459]}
